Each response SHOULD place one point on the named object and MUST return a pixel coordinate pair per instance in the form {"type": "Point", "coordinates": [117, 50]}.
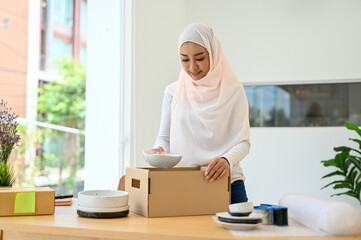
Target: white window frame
{"type": "Point", "coordinates": [109, 144]}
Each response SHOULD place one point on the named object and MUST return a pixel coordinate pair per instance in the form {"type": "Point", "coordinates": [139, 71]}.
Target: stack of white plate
{"type": "Point", "coordinates": [103, 204]}
{"type": "Point", "coordinates": [228, 221]}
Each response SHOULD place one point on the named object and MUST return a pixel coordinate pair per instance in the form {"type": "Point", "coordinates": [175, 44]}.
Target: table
{"type": "Point", "coordinates": [66, 225]}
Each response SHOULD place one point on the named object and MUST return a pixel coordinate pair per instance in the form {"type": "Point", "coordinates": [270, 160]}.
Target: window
{"type": "Point", "coordinates": [304, 105]}
{"type": "Point", "coordinates": [60, 49]}
{"type": "Point", "coordinates": [63, 12]}
{"type": "Point", "coordinates": [58, 138]}
{"type": "Point", "coordinates": [83, 55]}
{"type": "Point", "coordinates": [84, 17]}
{"type": "Point", "coordinates": [52, 150]}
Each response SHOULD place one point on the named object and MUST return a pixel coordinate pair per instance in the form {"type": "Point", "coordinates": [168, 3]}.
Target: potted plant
{"type": "Point", "coordinates": [8, 140]}
{"type": "Point", "coordinates": [348, 165]}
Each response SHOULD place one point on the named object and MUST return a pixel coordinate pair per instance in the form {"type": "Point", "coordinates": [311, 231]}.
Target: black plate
{"type": "Point", "coordinates": [245, 221]}
{"type": "Point", "coordinates": [102, 215]}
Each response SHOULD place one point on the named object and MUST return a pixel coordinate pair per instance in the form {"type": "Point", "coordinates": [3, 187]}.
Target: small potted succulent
{"type": "Point", "coordinates": [8, 140]}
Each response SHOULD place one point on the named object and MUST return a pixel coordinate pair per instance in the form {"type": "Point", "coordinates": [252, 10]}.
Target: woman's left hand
{"type": "Point", "coordinates": [217, 169]}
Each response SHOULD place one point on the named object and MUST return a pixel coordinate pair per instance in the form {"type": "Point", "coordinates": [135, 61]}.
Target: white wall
{"type": "Point", "coordinates": [157, 26]}
{"type": "Point", "coordinates": [288, 160]}
{"type": "Point", "coordinates": [286, 40]}
{"type": "Point", "coordinates": [278, 41]}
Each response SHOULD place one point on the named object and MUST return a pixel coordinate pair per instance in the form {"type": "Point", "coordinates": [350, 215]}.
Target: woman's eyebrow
{"type": "Point", "coordinates": [197, 54]}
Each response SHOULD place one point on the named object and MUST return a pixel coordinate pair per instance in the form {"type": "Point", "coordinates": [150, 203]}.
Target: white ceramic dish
{"type": "Point", "coordinates": [103, 198]}
{"type": "Point", "coordinates": [252, 216]}
{"type": "Point", "coordinates": [102, 215]}
{"type": "Point", "coordinates": [102, 210]}
{"type": "Point", "coordinates": [238, 226]}
{"type": "Point", "coordinates": [241, 209]}
{"type": "Point", "coordinates": [161, 160]}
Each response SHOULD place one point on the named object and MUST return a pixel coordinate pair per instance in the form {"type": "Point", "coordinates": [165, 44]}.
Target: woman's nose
{"type": "Point", "coordinates": [193, 66]}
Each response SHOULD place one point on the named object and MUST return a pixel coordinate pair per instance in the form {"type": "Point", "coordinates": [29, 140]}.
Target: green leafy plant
{"type": "Point", "coordinates": [348, 164]}
{"type": "Point", "coordinates": [7, 174]}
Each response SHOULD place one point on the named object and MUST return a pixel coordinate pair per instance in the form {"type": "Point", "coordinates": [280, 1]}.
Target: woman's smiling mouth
{"type": "Point", "coordinates": [196, 73]}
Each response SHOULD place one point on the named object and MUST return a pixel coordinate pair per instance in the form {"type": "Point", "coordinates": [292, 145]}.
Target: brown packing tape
{"type": "Point", "coordinates": [176, 169]}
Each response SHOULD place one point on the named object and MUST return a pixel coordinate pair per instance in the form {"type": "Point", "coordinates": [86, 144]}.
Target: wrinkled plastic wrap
{"type": "Point", "coordinates": [336, 218]}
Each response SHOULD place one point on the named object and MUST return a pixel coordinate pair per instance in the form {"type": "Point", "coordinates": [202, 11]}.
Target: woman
{"type": "Point", "coordinates": [205, 112]}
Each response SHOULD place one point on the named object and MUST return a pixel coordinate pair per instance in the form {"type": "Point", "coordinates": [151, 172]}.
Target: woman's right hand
{"type": "Point", "coordinates": [158, 150]}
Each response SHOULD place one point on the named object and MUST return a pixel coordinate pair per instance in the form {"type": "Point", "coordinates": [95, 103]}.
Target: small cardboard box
{"type": "Point", "coordinates": [27, 201]}
{"type": "Point", "coordinates": [157, 192]}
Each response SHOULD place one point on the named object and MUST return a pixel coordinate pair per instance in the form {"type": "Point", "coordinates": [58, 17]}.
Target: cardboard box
{"type": "Point", "coordinates": [27, 201]}
{"type": "Point", "coordinates": [157, 192]}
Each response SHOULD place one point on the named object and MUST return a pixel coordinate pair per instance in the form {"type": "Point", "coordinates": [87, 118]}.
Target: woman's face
{"type": "Point", "coordinates": [195, 60]}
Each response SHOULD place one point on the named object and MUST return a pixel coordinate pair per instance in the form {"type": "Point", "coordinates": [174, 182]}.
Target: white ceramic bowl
{"type": "Point", "coordinates": [241, 209]}
{"type": "Point", "coordinates": [161, 160]}
{"type": "Point", "coordinates": [103, 199]}
{"type": "Point", "coordinates": [102, 210]}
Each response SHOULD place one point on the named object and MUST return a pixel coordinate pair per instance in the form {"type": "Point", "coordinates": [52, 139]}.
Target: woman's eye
{"type": "Point", "coordinates": [185, 60]}
{"type": "Point", "coordinates": [200, 59]}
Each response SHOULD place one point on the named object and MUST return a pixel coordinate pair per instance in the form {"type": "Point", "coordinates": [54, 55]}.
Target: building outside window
{"type": "Point", "coordinates": [63, 12]}
{"type": "Point", "coordinates": [52, 150]}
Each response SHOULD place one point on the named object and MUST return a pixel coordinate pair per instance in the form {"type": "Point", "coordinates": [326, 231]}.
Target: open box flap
{"type": "Point", "coordinates": [137, 185]}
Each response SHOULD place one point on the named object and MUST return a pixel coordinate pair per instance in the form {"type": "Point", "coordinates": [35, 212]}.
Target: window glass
{"type": "Point", "coordinates": [55, 143]}
{"type": "Point", "coordinates": [84, 17]}
{"type": "Point", "coordinates": [63, 12]}
{"type": "Point", "coordinates": [59, 50]}
{"type": "Point", "coordinates": [43, 50]}
{"type": "Point", "coordinates": [51, 152]}
{"type": "Point", "coordinates": [43, 11]}
{"type": "Point", "coordinates": [61, 106]}
{"type": "Point", "coordinates": [83, 56]}
{"type": "Point", "coordinates": [304, 105]}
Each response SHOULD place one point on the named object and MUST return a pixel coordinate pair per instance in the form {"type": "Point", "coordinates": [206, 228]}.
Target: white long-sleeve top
{"type": "Point", "coordinates": [234, 155]}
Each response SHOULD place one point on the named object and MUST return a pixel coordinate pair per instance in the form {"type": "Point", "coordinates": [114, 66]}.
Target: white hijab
{"type": "Point", "coordinates": [209, 116]}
